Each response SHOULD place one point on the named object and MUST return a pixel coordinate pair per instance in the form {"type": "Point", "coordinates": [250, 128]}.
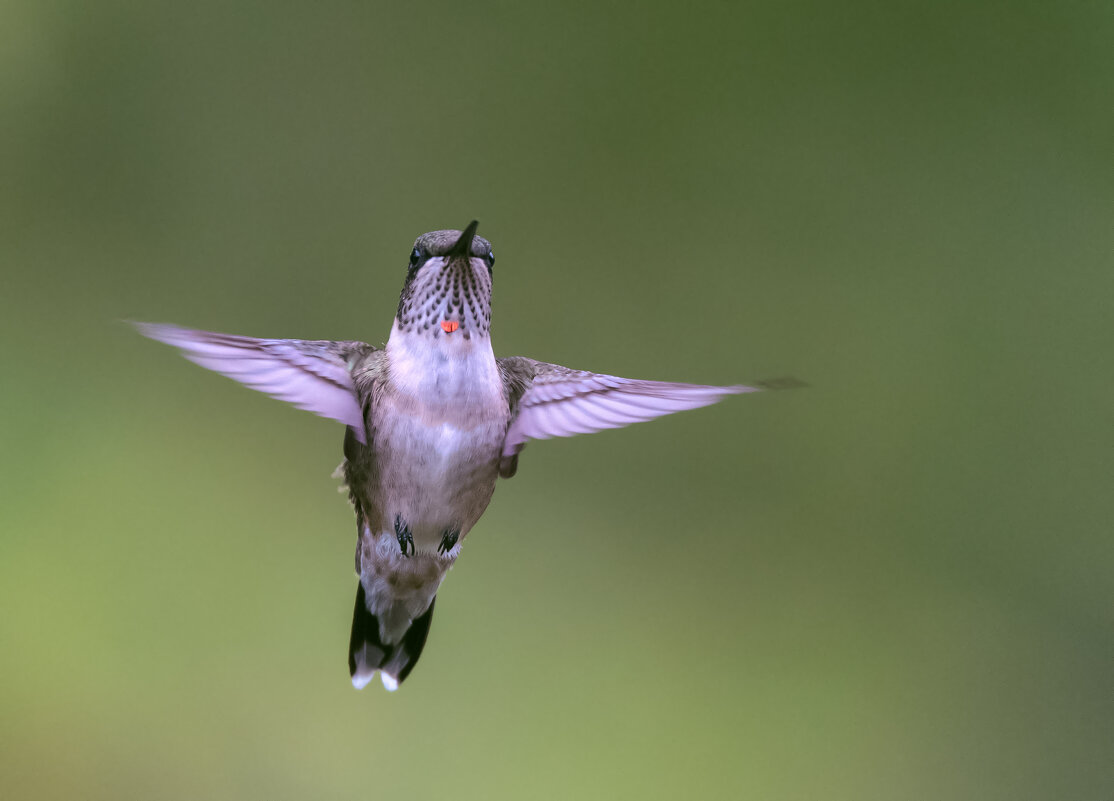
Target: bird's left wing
{"type": "Point", "coordinates": [549, 400]}
{"type": "Point", "coordinates": [312, 375]}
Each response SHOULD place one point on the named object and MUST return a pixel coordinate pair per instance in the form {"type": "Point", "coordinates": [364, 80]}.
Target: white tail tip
{"type": "Point", "coordinates": [389, 682]}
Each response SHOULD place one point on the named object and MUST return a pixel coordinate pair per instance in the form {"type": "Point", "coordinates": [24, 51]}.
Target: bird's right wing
{"type": "Point", "coordinates": [312, 375]}
{"type": "Point", "coordinates": [553, 401]}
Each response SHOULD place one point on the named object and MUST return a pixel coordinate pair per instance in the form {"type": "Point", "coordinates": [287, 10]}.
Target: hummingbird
{"type": "Point", "coordinates": [432, 419]}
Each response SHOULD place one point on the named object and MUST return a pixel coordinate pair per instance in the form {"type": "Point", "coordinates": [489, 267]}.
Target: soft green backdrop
{"type": "Point", "coordinates": [896, 584]}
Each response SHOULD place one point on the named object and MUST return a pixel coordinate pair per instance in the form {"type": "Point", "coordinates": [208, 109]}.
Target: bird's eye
{"type": "Point", "coordinates": [415, 258]}
{"type": "Point", "coordinates": [490, 259]}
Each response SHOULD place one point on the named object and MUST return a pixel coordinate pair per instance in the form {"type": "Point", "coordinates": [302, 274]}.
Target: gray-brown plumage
{"type": "Point", "coordinates": [433, 419]}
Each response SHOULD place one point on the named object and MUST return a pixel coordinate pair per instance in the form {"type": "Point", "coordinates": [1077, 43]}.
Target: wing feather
{"type": "Point", "coordinates": [559, 402]}
{"type": "Point", "coordinates": [314, 375]}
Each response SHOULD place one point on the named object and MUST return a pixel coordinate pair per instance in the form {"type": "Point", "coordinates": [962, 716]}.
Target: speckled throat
{"type": "Point", "coordinates": [449, 280]}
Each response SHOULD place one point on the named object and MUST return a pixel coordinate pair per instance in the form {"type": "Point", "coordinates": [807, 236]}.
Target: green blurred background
{"type": "Point", "coordinates": [895, 584]}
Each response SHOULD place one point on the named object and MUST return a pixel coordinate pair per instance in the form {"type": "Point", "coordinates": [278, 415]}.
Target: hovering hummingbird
{"type": "Point", "coordinates": [433, 419]}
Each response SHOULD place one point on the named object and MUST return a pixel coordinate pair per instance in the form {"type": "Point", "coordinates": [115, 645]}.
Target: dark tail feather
{"type": "Point", "coordinates": [367, 653]}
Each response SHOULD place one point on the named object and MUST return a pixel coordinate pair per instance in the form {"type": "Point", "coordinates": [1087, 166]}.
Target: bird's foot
{"type": "Point", "coordinates": [405, 538]}
{"type": "Point", "coordinates": [448, 540]}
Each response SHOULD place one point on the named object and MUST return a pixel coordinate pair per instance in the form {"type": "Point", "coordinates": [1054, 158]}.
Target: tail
{"type": "Point", "coordinates": [367, 652]}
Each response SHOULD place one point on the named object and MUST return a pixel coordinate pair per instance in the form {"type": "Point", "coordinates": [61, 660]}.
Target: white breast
{"type": "Point", "coordinates": [439, 434]}
{"type": "Point", "coordinates": [445, 373]}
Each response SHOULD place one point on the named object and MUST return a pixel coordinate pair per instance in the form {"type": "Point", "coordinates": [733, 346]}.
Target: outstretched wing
{"type": "Point", "coordinates": [312, 375]}
{"type": "Point", "coordinates": [555, 401]}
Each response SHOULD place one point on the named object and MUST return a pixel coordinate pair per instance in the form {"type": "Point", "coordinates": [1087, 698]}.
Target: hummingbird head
{"type": "Point", "coordinates": [448, 285]}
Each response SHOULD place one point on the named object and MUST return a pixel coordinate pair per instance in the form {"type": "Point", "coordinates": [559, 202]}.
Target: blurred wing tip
{"type": "Point", "coordinates": [167, 333]}
{"type": "Point", "coordinates": [777, 384]}
{"type": "Point", "coordinates": [148, 329]}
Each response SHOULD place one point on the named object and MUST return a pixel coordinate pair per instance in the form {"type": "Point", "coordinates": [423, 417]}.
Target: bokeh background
{"type": "Point", "coordinates": [895, 584]}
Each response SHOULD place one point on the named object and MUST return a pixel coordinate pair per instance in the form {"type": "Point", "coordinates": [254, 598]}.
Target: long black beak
{"type": "Point", "coordinates": [463, 246]}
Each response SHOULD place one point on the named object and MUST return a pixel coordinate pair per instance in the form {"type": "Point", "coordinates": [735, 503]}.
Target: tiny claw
{"type": "Point", "coordinates": [405, 538]}
{"type": "Point", "coordinates": [448, 540]}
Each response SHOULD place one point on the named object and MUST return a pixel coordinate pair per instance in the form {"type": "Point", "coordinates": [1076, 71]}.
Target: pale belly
{"type": "Point", "coordinates": [435, 477]}
{"type": "Point", "coordinates": [437, 437]}
{"type": "Point", "coordinates": [431, 480]}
